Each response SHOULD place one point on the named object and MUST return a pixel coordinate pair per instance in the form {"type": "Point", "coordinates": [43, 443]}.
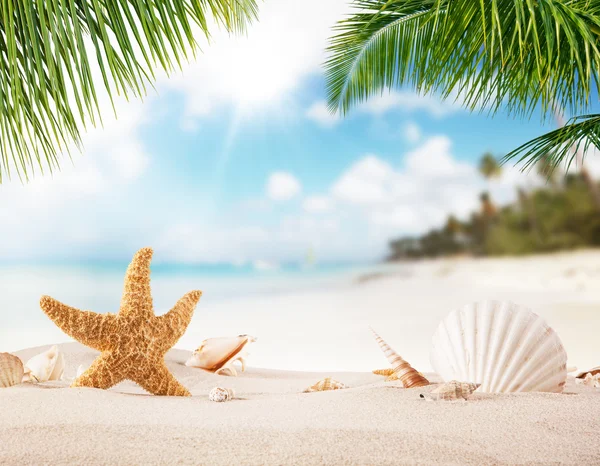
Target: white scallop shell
{"type": "Point", "coordinates": [502, 346]}
{"type": "Point", "coordinates": [49, 365]}
{"type": "Point", "coordinates": [11, 370]}
{"type": "Point", "coordinates": [220, 395]}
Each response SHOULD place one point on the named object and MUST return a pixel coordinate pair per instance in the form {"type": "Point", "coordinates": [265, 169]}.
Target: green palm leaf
{"type": "Point", "coordinates": [519, 55]}
{"type": "Point", "coordinates": [49, 48]}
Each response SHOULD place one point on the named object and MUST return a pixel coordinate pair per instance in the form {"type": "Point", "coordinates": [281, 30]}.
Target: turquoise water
{"type": "Point", "coordinates": [98, 287]}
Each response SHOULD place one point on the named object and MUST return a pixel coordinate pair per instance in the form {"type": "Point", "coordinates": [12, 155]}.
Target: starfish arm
{"type": "Point", "coordinates": [87, 327]}
{"type": "Point", "coordinates": [105, 372]}
{"type": "Point", "coordinates": [137, 297]}
{"type": "Point", "coordinates": [173, 324]}
{"type": "Point", "coordinates": [157, 379]}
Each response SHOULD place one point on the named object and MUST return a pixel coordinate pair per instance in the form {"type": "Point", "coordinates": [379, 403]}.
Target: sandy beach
{"type": "Point", "coordinates": [272, 422]}
{"type": "Point", "coordinates": [373, 422]}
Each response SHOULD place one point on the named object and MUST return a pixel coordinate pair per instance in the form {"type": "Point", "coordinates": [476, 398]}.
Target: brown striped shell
{"type": "Point", "coordinates": [404, 371]}
{"type": "Point", "coordinates": [11, 370]}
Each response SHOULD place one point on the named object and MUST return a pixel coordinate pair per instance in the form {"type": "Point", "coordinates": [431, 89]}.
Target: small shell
{"type": "Point", "coordinates": [590, 380]}
{"type": "Point", "coordinates": [48, 365]}
{"type": "Point", "coordinates": [11, 370]}
{"type": "Point", "coordinates": [324, 385]}
{"type": "Point", "coordinates": [451, 391]}
{"type": "Point", "coordinates": [218, 354]}
{"type": "Point", "coordinates": [220, 395]}
{"type": "Point", "coordinates": [405, 372]}
{"type": "Point", "coordinates": [593, 371]}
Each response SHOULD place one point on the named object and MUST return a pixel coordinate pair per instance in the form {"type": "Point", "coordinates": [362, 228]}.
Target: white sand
{"type": "Point", "coordinates": [373, 422]}
{"type": "Point", "coordinates": [271, 422]}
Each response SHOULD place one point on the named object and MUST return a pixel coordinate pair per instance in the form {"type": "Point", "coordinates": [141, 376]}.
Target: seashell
{"type": "Point", "coordinates": [326, 384]}
{"type": "Point", "coordinates": [389, 374]}
{"type": "Point", "coordinates": [593, 371]}
{"type": "Point", "coordinates": [218, 354]}
{"type": "Point", "coordinates": [220, 395]}
{"type": "Point", "coordinates": [405, 372]}
{"type": "Point", "coordinates": [502, 346]}
{"type": "Point", "coordinates": [49, 365]}
{"type": "Point", "coordinates": [452, 391]}
{"type": "Point", "coordinates": [590, 380]}
{"type": "Point", "coordinates": [11, 370]}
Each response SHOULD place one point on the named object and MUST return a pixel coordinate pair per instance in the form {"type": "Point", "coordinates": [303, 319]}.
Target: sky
{"type": "Point", "coordinates": [235, 158]}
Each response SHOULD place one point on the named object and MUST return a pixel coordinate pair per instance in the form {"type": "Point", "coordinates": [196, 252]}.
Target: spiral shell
{"type": "Point", "coordinates": [409, 376]}
{"type": "Point", "coordinates": [11, 370]}
{"type": "Point", "coordinates": [452, 391]}
{"type": "Point", "coordinates": [502, 346]}
{"type": "Point", "coordinates": [220, 395]}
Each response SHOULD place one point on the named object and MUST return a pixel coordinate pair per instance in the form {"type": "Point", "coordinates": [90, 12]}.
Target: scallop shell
{"type": "Point", "coordinates": [11, 370]}
{"type": "Point", "coordinates": [218, 354]}
{"type": "Point", "coordinates": [220, 395]}
{"type": "Point", "coordinates": [409, 376]}
{"type": "Point", "coordinates": [502, 346]}
{"type": "Point", "coordinates": [326, 384]}
{"type": "Point", "coordinates": [452, 391]}
{"type": "Point", "coordinates": [49, 365]}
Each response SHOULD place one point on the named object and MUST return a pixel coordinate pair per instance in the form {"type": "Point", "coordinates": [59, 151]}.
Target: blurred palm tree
{"type": "Point", "coordinates": [488, 209]}
{"type": "Point", "coordinates": [519, 55]}
{"type": "Point", "coordinates": [489, 166]}
{"type": "Point", "coordinates": [547, 170]}
{"type": "Point", "coordinates": [50, 49]}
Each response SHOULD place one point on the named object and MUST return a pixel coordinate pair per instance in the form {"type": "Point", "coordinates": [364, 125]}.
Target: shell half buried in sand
{"type": "Point", "coordinates": [49, 365]}
{"type": "Point", "coordinates": [401, 369]}
{"type": "Point", "coordinates": [504, 347]}
{"type": "Point", "coordinates": [593, 371]}
{"type": "Point", "coordinates": [324, 385]}
{"type": "Point", "coordinates": [451, 391]}
{"type": "Point", "coordinates": [221, 395]}
{"type": "Point", "coordinates": [218, 354]}
{"type": "Point", "coordinates": [11, 370]}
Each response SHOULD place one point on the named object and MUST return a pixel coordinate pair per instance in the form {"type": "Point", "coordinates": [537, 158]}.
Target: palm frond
{"type": "Point", "coordinates": [560, 146]}
{"type": "Point", "coordinates": [518, 55]}
{"type": "Point", "coordinates": [48, 51]}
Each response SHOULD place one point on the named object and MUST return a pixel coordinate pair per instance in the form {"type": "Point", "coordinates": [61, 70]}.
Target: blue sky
{"type": "Point", "coordinates": [235, 159]}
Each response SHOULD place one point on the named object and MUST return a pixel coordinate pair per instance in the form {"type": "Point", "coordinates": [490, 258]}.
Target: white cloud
{"type": "Point", "coordinates": [412, 132]}
{"type": "Point", "coordinates": [364, 182]}
{"type": "Point", "coordinates": [319, 113]}
{"type": "Point", "coordinates": [318, 204]}
{"type": "Point", "coordinates": [429, 185]}
{"type": "Point", "coordinates": [283, 186]}
{"type": "Point", "coordinates": [260, 69]}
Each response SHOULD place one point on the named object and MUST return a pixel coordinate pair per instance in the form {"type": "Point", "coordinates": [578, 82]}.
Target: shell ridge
{"type": "Point", "coordinates": [524, 324]}
{"type": "Point", "coordinates": [506, 331]}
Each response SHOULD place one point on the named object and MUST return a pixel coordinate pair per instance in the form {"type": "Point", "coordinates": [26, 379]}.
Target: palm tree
{"type": "Point", "coordinates": [49, 49]}
{"type": "Point", "coordinates": [489, 166]}
{"type": "Point", "coordinates": [519, 55]}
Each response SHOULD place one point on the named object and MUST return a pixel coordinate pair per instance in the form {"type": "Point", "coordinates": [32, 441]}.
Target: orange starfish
{"type": "Point", "coordinates": [134, 341]}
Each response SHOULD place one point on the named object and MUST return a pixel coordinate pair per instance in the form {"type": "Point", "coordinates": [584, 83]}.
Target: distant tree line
{"type": "Point", "coordinates": [564, 214]}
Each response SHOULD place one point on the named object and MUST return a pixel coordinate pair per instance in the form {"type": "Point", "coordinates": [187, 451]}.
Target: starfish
{"type": "Point", "coordinates": [134, 341]}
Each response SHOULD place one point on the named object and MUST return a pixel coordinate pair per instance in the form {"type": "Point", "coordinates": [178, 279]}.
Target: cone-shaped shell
{"type": "Point", "coordinates": [220, 395]}
{"type": "Point", "coordinates": [502, 346]}
{"type": "Point", "coordinates": [45, 366]}
{"type": "Point", "coordinates": [215, 354]}
{"type": "Point", "coordinates": [326, 384]}
{"type": "Point", "coordinates": [451, 391]}
{"type": "Point", "coordinates": [11, 370]}
{"type": "Point", "coordinates": [405, 372]}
